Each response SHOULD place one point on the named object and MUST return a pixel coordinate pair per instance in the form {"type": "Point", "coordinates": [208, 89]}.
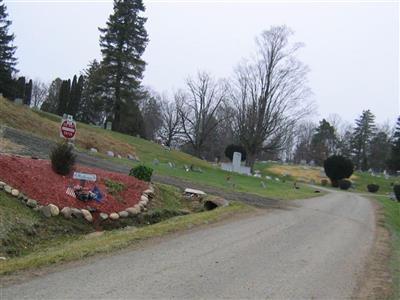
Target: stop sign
{"type": "Point", "coordinates": [68, 129]}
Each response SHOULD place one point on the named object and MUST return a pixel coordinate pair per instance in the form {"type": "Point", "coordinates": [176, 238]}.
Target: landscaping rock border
{"type": "Point", "coordinates": [52, 210]}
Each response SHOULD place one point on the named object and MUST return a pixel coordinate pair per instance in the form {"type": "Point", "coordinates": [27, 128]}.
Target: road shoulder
{"type": "Point", "coordinates": [375, 281]}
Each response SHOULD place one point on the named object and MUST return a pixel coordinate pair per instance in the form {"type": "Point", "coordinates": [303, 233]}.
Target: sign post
{"type": "Point", "coordinates": [68, 128]}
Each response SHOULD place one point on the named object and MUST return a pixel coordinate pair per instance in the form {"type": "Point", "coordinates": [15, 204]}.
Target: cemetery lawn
{"type": "Point", "coordinates": [46, 125]}
{"type": "Point", "coordinates": [392, 223]}
{"type": "Point", "coordinates": [297, 172]}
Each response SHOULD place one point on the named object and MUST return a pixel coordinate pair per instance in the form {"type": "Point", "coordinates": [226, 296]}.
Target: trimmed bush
{"type": "Point", "coordinates": [338, 167]}
{"type": "Point", "coordinates": [324, 182]}
{"type": "Point", "coordinates": [396, 190]}
{"type": "Point", "coordinates": [142, 172]}
{"type": "Point", "coordinates": [344, 184]}
{"type": "Point", "coordinates": [372, 188]}
{"type": "Point", "coordinates": [230, 149]}
{"type": "Point", "coordinates": [62, 158]}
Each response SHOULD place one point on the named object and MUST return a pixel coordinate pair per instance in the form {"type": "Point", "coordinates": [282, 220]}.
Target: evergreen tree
{"type": "Point", "coordinates": [64, 97]}
{"type": "Point", "coordinates": [51, 103]}
{"type": "Point", "coordinates": [7, 51]}
{"type": "Point", "coordinates": [394, 161]}
{"type": "Point", "coordinates": [95, 104]}
{"type": "Point", "coordinates": [19, 88]}
{"type": "Point", "coordinates": [362, 135]}
{"type": "Point", "coordinates": [379, 151]}
{"type": "Point", "coordinates": [72, 97]}
{"type": "Point", "coordinates": [75, 96]}
{"type": "Point", "coordinates": [324, 142]}
{"type": "Point", "coordinates": [122, 43]}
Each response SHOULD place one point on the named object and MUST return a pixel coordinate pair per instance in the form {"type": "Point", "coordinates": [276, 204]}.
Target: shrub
{"type": "Point", "coordinates": [142, 172]}
{"type": "Point", "coordinates": [338, 167]}
{"type": "Point", "coordinates": [230, 149]}
{"type": "Point", "coordinates": [372, 188]}
{"type": "Point", "coordinates": [324, 182]}
{"type": "Point", "coordinates": [62, 158]}
{"type": "Point", "coordinates": [396, 190]}
{"type": "Point", "coordinates": [344, 184]}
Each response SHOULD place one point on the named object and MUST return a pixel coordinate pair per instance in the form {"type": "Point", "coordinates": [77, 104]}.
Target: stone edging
{"type": "Point", "coordinates": [52, 210]}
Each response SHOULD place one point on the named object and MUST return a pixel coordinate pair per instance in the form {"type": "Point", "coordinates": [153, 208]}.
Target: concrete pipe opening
{"type": "Point", "coordinates": [209, 205]}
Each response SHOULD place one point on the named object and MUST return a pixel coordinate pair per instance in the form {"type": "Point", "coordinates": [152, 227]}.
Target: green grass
{"type": "Point", "coordinates": [363, 179]}
{"type": "Point", "coordinates": [23, 230]}
{"type": "Point", "coordinates": [46, 125]}
{"type": "Point", "coordinates": [392, 223]}
{"type": "Point", "coordinates": [110, 241]}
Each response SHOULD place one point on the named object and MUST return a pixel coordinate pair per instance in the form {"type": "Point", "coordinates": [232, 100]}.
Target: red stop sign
{"type": "Point", "coordinates": [68, 129]}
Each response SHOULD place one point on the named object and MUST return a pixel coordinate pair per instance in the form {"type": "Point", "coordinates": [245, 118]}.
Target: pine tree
{"type": "Point", "coordinates": [94, 106]}
{"type": "Point", "coordinates": [122, 43]}
{"type": "Point", "coordinates": [394, 161]}
{"type": "Point", "coordinates": [7, 51]}
{"type": "Point", "coordinates": [324, 142]}
{"type": "Point", "coordinates": [51, 103]}
{"type": "Point", "coordinates": [361, 138]}
{"type": "Point", "coordinates": [64, 97]}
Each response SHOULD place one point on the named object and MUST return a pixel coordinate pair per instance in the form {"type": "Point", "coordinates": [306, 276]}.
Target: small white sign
{"type": "Point", "coordinates": [84, 176]}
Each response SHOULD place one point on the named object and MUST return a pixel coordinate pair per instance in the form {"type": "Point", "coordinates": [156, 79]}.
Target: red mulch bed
{"type": "Point", "coordinates": [36, 179]}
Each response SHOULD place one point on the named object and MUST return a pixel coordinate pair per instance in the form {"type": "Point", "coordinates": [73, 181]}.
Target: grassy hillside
{"type": "Point", "coordinates": [309, 174]}
{"type": "Point", "coordinates": [47, 125]}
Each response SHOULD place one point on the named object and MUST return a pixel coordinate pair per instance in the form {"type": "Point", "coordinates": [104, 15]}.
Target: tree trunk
{"type": "Point", "coordinates": [250, 160]}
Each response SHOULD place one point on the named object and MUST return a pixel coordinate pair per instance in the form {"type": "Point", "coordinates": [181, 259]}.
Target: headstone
{"type": "Point", "coordinates": [170, 164]}
{"type": "Point", "coordinates": [236, 161]}
{"type": "Point", "coordinates": [18, 101]}
{"type": "Point", "coordinates": [108, 125]}
{"type": "Point", "coordinates": [303, 162]}
{"type": "Point", "coordinates": [156, 162]}
{"type": "Point", "coordinates": [263, 184]}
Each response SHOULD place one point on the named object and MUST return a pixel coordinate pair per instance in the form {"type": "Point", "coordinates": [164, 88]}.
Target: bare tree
{"type": "Point", "coordinates": [171, 126]}
{"type": "Point", "coordinates": [198, 112]}
{"type": "Point", "coordinates": [270, 94]}
{"type": "Point", "coordinates": [39, 93]}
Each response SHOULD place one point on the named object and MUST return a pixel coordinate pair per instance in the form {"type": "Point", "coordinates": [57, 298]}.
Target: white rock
{"type": "Point", "coordinates": [76, 213]}
{"type": "Point", "coordinates": [149, 193]}
{"type": "Point", "coordinates": [67, 212]}
{"type": "Point", "coordinates": [93, 150]}
{"type": "Point", "coordinates": [54, 211]}
{"type": "Point", "coordinates": [195, 192]}
{"type": "Point", "coordinates": [46, 211]}
{"type": "Point", "coordinates": [2, 185]}
{"type": "Point", "coordinates": [123, 214]}
{"type": "Point", "coordinates": [87, 215]}
{"type": "Point", "coordinates": [8, 189]}
{"type": "Point", "coordinates": [15, 192]}
{"type": "Point", "coordinates": [119, 156]}
{"type": "Point", "coordinates": [144, 198]}
{"type": "Point", "coordinates": [103, 216]}
{"type": "Point", "coordinates": [114, 216]}
{"type": "Point", "coordinates": [133, 211]}
{"type": "Point", "coordinates": [31, 203]}
{"type": "Point", "coordinates": [110, 153]}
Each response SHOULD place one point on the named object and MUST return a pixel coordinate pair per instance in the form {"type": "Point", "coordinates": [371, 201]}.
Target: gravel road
{"type": "Point", "coordinates": [317, 249]}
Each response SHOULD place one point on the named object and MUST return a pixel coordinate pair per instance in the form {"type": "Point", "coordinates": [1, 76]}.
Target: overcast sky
{"type": "Point", "coordinates": [352, 49]}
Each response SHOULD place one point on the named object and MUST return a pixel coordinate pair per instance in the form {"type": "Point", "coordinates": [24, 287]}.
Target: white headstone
{"type": "Point", "coordinates": [237, 158]}
{"type": "Point", "coordinates": [109, 125]}
{"type": "Point", "coordinates": [18, 101]}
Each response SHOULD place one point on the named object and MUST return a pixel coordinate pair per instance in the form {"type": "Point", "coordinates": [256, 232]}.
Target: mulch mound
{"type": "Point", "coordinates": [36, 179]}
